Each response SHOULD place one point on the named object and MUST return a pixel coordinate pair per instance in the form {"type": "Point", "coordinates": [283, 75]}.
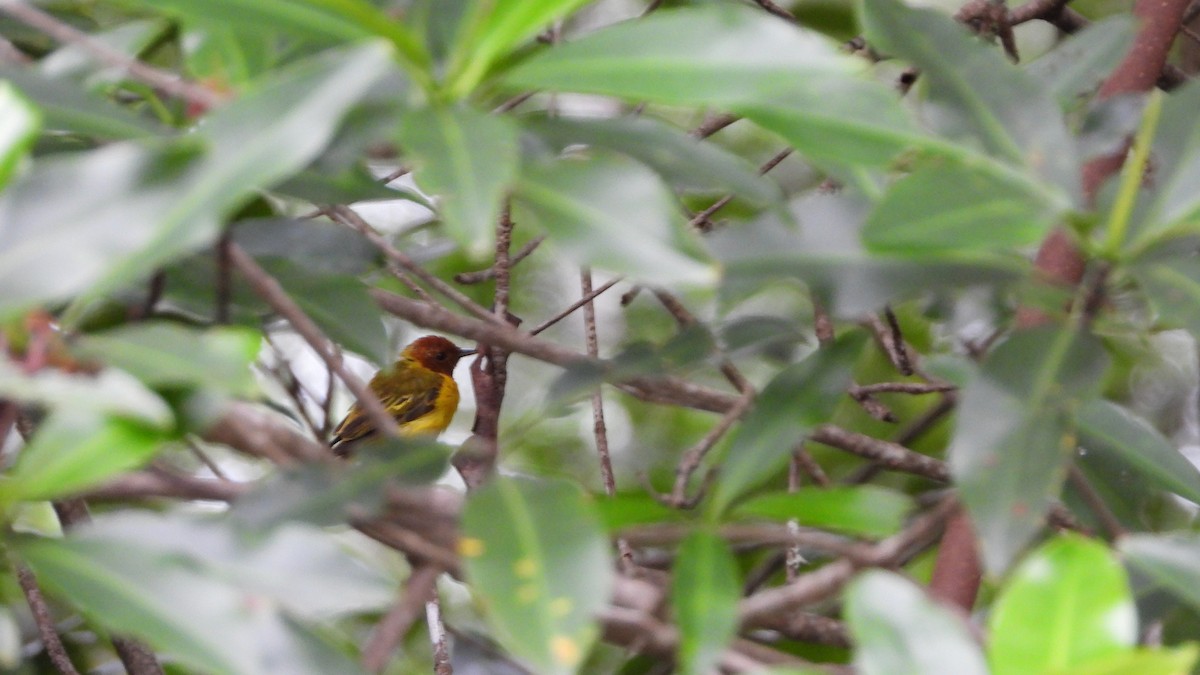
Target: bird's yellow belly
{"type": "Point", "coordinates": [435, 421]}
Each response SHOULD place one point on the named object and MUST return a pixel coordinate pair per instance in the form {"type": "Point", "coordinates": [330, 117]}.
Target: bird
{"type": "Point", "coordinates": [418, 391]}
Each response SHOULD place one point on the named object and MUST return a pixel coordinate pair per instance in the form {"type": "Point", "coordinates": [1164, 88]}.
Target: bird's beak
{"type": "Point", "coordinates": [465, 352]}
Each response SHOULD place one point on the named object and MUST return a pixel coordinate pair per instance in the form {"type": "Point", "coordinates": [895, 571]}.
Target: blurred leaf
{"type": "Point", "coordinates": [627, 510]}
{"type": "Point", "coordinates": [1068, 602]}
{"type": "Point", "coordinates": [58, 225]}
{"type": "Point", "coordinates": [19, 124]}
{"type": "Point", "coordinates": [1014, 435]}
{"type": "Point", "coordinates": [339, 304]}
{"type": "Point", "coordinates": [1176, 202]}
{"type": "Point", "coordinates": [975, 93]}
{"type": "Point", "coordinates": [111, 392]}
{"type": "Point", "coordinates": [1075, 67]}
{"type": "Point", "coordinates": [794, 81]}
{"type": "Point", "coordinates": [169, 355]}
{"type": "Point", "coordinates": [325, 495]}
{"type": "Point", "coordinates": [865, 510]}
{"type": "Point", "coordinates": [1171, 284]}
{"type": "Point", "coordinates": [469, 160]}
{"type": "Point", "coordinates": [1176, 661]}
{"type": "Point", "coordinates": [67, 107]}
{"type": "Point", "coordinates": [897, 628]}
{"type": "Point", "coordinates": [947, 208]}
{"type": "Point", "coordinates": [72, 450]}
{"type": "Point", "coordinates": [10, 639]}
{"type": "Point", "coordinates": [611, 212]}
{"type": "Point", "coordinates": [312, 245]}
{"type": "Point", "coordinates": [826, 253]}
{"type": "Point", "coordinates": [705, 589]}
{"type": "Point", "coordinates": [229, 57]}
{"type": "Point", "coordinates": [678, 157]}
{"type": "Point", "coordinates": [538, 559]}
{"type": "Point", "coordinates": [1170, 560]}
{"type": "Point", "coordinates": [489, 30]}
{"type": "Point", "coordinates": [74, 61]}
{"type": "Point", "coordinates": [1108, 428]}
{"type": "Point", "coordinates": [353, 185]}
{"type": "Point", "coordinates": [793, 402]}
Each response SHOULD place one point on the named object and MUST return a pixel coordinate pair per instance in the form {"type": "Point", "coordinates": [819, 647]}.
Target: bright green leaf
{"type": "Point", "coordinates": [469, 160]}
{"type": "Point", "coordinates": [797, 399]}
{"type": "Point", "coordinates": [1177, 661]}
{"type": "Point", "coordinates": [72, 450]}
{"type": "Point", "coordinates": [538, 559]}
{"type": "Point", "coordinates": [611, 212]}
{"type": "Point", "coordinates": [169, 355]}
{"type": "Point", "coordinates": [897, 628]}
{"type": "Point", "coordinates": [866, 510]}
{"type": "Point", "coordinates": [19, 124]}
{"type": "Point", "coordinates": [1014, 434]}
{"type": "Point", "coordinates": [1068, 602]}
{"type": "Point", "coordinates": [1113, 430]}
{"type": "Point", "coordinates": [705, 589]}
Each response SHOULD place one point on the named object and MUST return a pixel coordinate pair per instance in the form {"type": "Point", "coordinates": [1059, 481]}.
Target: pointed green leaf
{"type": "Point", "coordinates": [1171, 561]}
{"type": "Point", "coordinates": [1067, 603]}
{"type": "Point", "coordinates": [67, 107]}
{"type": "Point", "coordinates": [538, 559]}
{"type": "Point", "coordinates": [1108, 428]}
{"type": "Point", "coordinates": [468, 159]}
{"type": "Point", "coordinates": [866, 510]}
{"type": "Point", "coordinates": [72, 450]}
{"type": "Point", "coordinates": [611, 212]}
{"type": "Point", "coordinates": [169, 355]}
{"type": "Point", "coordinates": [19, 125]}
{"type": "Point", "coordinates": [1014, 434]}
{"type": "Point", "coordinates": [897, 628]}
{"type": "Point", "coordinates": [793, 402]}
{"type": "Point", "coordinates": [705, 589]}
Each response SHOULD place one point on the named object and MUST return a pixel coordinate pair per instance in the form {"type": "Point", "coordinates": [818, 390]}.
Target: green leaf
{"type": "Point", "coordinates": [678, 157]}
{"type": "Point", "coordinates": [110, 392]}
{"type": "Point", "coordinates": [168, 355]}
{"type": "Point", "coordinates": [627, 510]}
{"type": "Point", "coordinates": [1110, 429]}
{"type": "Point", "coordinates": [793, 402]}
{"type": "Point", "coordinates": [866, 510]}
{"type": "Point", "coordinates": [1014, 434]}
{"type": "Point", "coordinates": [19, 124]}
{"type": "Point", "coordinates": [1177, 661]}
{"type": "Point", "coordinates": [538, 559]}
{"type": "Point", "coordinates": [705, 589]}
{"type": "Point", "coordinates": [312, 245]}
{"type": "Point", "coordinates": [1176, 202]}
{"type": "Point", "coordinates": [897, 628]}
{"type": "Point", "coordinates": [1172, 286]}
{"type": "Point", "coordinates": [489, 30]}
{"type": "Point", "coordinates": [978, 93]}
{"type": "Point", "coordinates": [339, 304]}
{"type": "Point", "coordinates": [467, 158]}
{"type": "Point", "coordinates": [949, 208]}
{"type": "Point", "coordinates": [1076, 66]}
{"type": "Point", "coordinates": [1067, 603]}
{"type": "Point", "coordinates": [794, 81]}
{"type": "Point", "coordinates": [73, 450]}
{"type": "Point", "coordinates": [1171, 561]}
{"type": "Point", "coordinates": [67, 107]}
{"type": "Point", "coordinates": [58, 224]}
{"type": "Point", "coordinates": [610, 212]}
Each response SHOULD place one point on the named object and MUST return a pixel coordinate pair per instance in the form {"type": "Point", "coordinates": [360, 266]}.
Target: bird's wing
{"type": "Point", "coordinates": [404, 407]}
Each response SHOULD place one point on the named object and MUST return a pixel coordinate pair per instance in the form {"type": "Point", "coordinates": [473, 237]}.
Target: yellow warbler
{"type": "Point", "coordinates": [418, 391]}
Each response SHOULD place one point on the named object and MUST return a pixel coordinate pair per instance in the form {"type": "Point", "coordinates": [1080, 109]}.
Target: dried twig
{"type": "Point", "coordinates": [392, 628]}
{"type": "Point", "coordinates": [51, 642]}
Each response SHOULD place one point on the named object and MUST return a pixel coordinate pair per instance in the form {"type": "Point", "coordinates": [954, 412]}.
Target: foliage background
{"type": "Point", "coordinates": [824, 337]}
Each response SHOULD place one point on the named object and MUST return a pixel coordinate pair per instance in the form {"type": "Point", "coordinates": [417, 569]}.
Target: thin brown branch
{"type": "Point", "coordinates": [1095, 502]}
{"type": "Point", "coordinates": [43, 619]}
{"type": "Point", "coordinates": [685, 319]}
{"type": "Point", "coordinates": [694, 456]}
{"type": "Point", "coordinates": [599, 428]}
{"type": "Point", "coordinates": [152, 484]}
{"type": "Point", "coordinates": [392, 628]}
{"type": "Point", "coordinates": [586, 299]}
{"type": "Point", "coordinates": [488, 274]}
{"type": "Point", "coordinates": [269, 290]}
{"type": "Point", "coordinates": [703, 220]}
{"type": "Point", "coordinates": [885, 453]}
{"type": "Point", "coordinates": [713, 124]}
{"type": "Point", "coordinates": [437, 636]}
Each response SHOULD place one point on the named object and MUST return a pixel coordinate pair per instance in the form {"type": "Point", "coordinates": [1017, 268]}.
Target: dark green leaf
{"type": "Point", "coordinates": [793, 402]}
{"type": "Point", "coordinates": [611, 212]}
{"type": "Point", "coordinates": [469, 160]}
{"type": "Point", "coordinates": [1110, 429]}
{"type": "Point", "coordinates": [67, 107]}
{"type": "Point", "coordinates": [678, 157]}
{"type": "Point", "coordinates": [340, 305]}
{"type": "Point", "coordinates": [949, 208]}
{"type": "Point", "coordinates": [897, 628]}
{"type": "Point", "coordinates": [1171, 561]}
{"type": "Point", "coordinates": [312, 245]}
{"type": "Point", "coordinates": [864, 510]}
{"type": "Point", "coordinates": [705, 589]}
{"type": "Point", "coordinates": [1014, 435]}
{"type": "Point", "coordinates": [72, 450]}
{"type": "Point", "coordinates": [538, 558]}
{"type": "Point", "coordinates": [978, 93]}
{"type": "Point", "coordinates": [1067, 603]}
{"type": "Point", "coordinates": [169, 355]}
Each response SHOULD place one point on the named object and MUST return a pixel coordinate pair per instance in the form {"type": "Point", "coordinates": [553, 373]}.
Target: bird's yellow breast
{"type": "Point", "coordinates": [435, 421]}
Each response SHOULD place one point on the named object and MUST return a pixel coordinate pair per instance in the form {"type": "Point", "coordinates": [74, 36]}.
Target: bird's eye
{"type": "Point", "coordinates": [441, 356]}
